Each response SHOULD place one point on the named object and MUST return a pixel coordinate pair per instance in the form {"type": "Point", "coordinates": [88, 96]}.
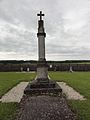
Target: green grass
{"type": "Point", "coordinates": [80, 81]}
{"type": "Point", "coordinates": [7, 81]}
{"type": "Point", "coordinates": [84, 63]}
{"type": "Point", "coordinates": [81, 108]}
{"type": "Point", "coordinates": [7, 110]}
{"type": "Point", "coordinates": [10, 79]}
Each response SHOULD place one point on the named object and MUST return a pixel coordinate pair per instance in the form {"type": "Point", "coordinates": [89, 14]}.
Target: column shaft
{"type": "Point", "coordinates": [41, 48]}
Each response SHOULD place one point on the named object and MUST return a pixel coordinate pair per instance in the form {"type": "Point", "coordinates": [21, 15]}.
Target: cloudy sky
{"type": "Point", "coordinates": [67, 25]}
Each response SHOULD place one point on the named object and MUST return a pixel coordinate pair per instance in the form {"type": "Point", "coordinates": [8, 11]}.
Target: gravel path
{"type": "Point", "coordinates": [15, 94]}
{"type": "Point", "coordinates": [44, 108]}
{"type": "Point", "coordinates": [70, 92]}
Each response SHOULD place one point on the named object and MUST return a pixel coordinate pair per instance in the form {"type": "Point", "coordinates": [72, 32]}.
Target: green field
{"type": "Point", "coordinates": [10, 79]}
{"type": "Point", "coordinates": [78, 80]}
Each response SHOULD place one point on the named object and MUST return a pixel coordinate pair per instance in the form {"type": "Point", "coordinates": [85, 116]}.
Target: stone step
{"type": "Point", "coordinates": [53, 88]}
{"type": "Point", "coordinates": [42, 84]}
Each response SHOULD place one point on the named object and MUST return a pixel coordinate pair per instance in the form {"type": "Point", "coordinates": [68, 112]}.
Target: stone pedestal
{"type": "Point", "coordinates": [42, 84]}
{"type": "Point", "coordinates": [42, 74]}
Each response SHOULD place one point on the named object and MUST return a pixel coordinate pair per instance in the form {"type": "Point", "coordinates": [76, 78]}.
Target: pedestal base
{"type": "Point", "coordinates": [43, 88]}
{"type": "Point", "coordinates": [42, 84]}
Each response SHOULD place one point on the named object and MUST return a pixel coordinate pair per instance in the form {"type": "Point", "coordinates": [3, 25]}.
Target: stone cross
{"type": "Point", "coordinates": [42, 83]}
{"type": "Point", "coordinates": [40, 14]}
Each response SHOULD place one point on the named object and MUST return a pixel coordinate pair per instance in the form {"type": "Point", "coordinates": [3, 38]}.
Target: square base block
{"type": "Point", "coordinates": [43, 88]}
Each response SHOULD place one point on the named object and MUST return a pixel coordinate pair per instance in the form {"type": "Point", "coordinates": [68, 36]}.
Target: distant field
{"type": "Point", "coordinates": [85, 63]}
{"type": "Point", "coordinates": [78, 80]}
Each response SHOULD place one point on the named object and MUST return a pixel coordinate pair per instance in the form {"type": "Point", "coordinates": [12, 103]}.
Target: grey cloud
{"type": "Point", "coordinates": [18, 41]}
{"type": "Point", "coordinates": [64, 40]}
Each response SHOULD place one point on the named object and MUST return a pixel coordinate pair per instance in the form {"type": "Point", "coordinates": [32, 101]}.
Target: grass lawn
{"type": "Point", "coordinates": [7, 81]}
{"type": "Point", "coordinates": [10, 79]}
{"type": "Point", "coordinates": [78, 80]}
{"type": "Point", "coordinates": [7, 111]}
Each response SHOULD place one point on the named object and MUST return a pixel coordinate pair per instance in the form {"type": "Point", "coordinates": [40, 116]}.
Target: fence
{"type": "Point", "coordinates": [53, 67]}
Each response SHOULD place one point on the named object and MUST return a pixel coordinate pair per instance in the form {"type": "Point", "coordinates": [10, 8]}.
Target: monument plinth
{"type": "Point", "coordinates": [42, 84]}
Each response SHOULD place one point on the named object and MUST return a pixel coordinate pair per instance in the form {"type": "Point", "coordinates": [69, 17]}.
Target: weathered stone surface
{"type": "Point", "coordinates": [44, 108]}
{"type": "Point", "coordinates": [41, 40]}
{"type": "Point", "coordinates": [42, 73]}
{"type": "Point", "coordinates": [41, 47]}
{"type": "Point", "coordinates": [43, 88]}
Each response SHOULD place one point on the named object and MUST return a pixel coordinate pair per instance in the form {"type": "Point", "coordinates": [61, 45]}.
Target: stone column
{"type": "Point", "coordinates": [41, 40]}
{"type": "Point", "coordinates": [42, 69]}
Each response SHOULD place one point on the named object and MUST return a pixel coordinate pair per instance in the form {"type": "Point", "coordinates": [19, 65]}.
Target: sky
{"type": "Point", "coordinates": [67, 27]}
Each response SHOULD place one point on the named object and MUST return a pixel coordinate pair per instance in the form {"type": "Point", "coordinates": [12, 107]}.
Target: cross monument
{"type": "Point", "coordinates": [42, 84]}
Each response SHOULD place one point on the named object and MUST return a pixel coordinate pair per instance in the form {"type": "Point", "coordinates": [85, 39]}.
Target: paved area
{"type": "Point", "coordinates": [70, 92]}
{"type": "Point", "coordinates": [44, 108]}
{"type": "Point", "coordinates": [15, 94]}
{"type": "Point", "coordinates": [26, 72]}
